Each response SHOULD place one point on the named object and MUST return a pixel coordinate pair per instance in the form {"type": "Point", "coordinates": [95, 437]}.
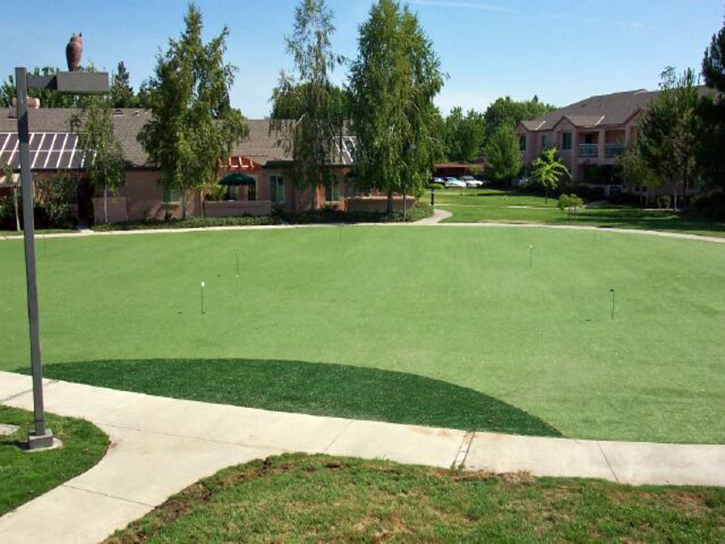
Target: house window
{"type": "Point", "coordinates": [332, 192]}
{"type": "Point", "coordinates": [276, 189]}
{"type": "Point", "coordinates": [566, 141]}
{"type": "Point", "coordinates": [545, 141]}
{"type": "Point", "coordinates": [522, 142]}
{"type": "Point", "coordinates": [232, 192]}
{"type": "Point", "coordinates": [171, 196]}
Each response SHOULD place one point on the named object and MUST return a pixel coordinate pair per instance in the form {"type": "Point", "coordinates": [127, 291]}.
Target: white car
{"type": "Point", "coordinates": [455, 183]}
{"type": "Point", "coordinates": [470, 181]}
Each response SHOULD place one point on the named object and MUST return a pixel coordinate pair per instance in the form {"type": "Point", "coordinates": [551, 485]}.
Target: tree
{"type": "Point", "coordinates": [711, 115]}
{"type": "Point", "coordinates": [289, 105]}
{"type": "Point", "coordinates": [547, 170]}
{"type": "Point", "coordinates": [122, 95]}
{"type": "Point", "coordinates": [634, 170]}
{"type": "Point", "coordinates": [103, 155]}
{"type": "Point", "coordinates": [508, 112]}
{"type": "Point", "coordinates": [193, 125]}
{"type": "Point", "coordinates": [666, 138]}
{"type": "Point", "coordinates": [570, 203]}
{"type": "Point", "coordinates": [49, 98]}
{"type": "Point", "coordinates": [307, 99]}
{"type": "Point", "coordinates": [464, 135]}
{"type": "Point", "coordinates": [503, 157]}
{"type": "Point", "coordinates": [393, 82]}
{"type": "Point", "coordinates": [7, 171]}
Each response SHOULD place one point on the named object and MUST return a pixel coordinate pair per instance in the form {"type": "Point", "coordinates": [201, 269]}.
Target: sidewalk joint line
{"type": "Point", "coordinates": [460, 461]}
{"type": "Point", "coordinates": [337, 436]}
{"type": "Point", "coordinates": [616, 479]}
{"type": "Point", "coordinates": [107, 495]}
{"type": "Point", "coordinates": [22, 393]}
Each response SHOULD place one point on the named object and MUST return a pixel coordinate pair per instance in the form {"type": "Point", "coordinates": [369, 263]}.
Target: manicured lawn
{"type": "Point", "coordinates": [458, 305]}
{"type": "Point", "coordinates": [323, 499]}
{"type": "Point", "coordinates": [24, 476]}
{"type": "Point", "coordinates": [318, 389]}
{"type": "Point", "coordinates": [481, 205]}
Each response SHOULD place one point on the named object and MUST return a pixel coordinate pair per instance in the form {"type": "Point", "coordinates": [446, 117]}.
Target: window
{"type": "Point", "coordinates": [522, 142]}
{"type": "Point", "coordinates": [545, 141]}
{"type": "Point", "coordinates": [566, 141]}
{"type": "Point", "coordinates": [232, 192]}
{"type": "Point", "coordinates": [276, 189]}
{"type": "Point", "coordinates": [332, 192]}
{"type": "Point", "coordinates": [171, 196]}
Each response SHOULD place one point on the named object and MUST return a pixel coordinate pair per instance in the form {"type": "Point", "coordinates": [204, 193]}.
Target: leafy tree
{"type": "Point", "coordinates": [570, 203]}
{"type": "Point", "coordinates": [48, 98]}
{"type": "Point", "coordinates": [312, 109]}
{"type": "Point", "coordinates": [193, 125]}
{"type": "Point", "coordinates": [122, 95]}
{"type": "Point", "coordinates": [290, 104]}
{"type": "Point", "coordinates": [393, 82]}
{"type": "Point", "coordinates": [634, 170]}
{"type": "Point", "coordinates": [503, 157]}
{"type": "Point", "coordinates": [103, 155]}
{"type": "Point", "coordinates": [7, 171]}
{"type": "Point", "coordinates": [548, 170]}
{"type": "Point", "coordinates": [508, 112]}
{"type": "Point", "coordinates": [711, 115]}
{"type": "Point", "coordinates": [464, 135]}
{"type": "Point", "coordinates": [666, 138]}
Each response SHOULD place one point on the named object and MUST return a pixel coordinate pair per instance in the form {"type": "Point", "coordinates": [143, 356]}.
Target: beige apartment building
{"type": "Point", "coordinates": [590, 135]}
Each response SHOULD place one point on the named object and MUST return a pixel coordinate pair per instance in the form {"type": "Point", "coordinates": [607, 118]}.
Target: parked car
{"type": "Point", "coordinates": [470, 181]}
{"type": "Point", "coordinates": [438, 181]}
{"type": "Point", "coordinates": [455, 183]}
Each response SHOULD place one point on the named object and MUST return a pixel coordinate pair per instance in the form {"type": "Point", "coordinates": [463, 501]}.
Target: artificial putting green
{"type": "Point", "coordinates": [460, 305]}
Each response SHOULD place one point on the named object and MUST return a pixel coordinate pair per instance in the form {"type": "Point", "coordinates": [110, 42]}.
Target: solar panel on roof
{"type": "Point", "coordinates": [48, 151]}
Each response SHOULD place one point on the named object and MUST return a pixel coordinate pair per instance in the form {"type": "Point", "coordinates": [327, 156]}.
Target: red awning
{"type": "Point", "coordinates": [240, 162]}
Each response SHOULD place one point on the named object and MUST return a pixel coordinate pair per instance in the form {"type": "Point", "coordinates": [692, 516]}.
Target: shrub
{"type": "Point", "coordinates": [711, 205]}
{"type": "Point", "coordinates": [55, 195]}
{"type": "Point", "coordinates": [664, 202]}
{"type": "Point", "coordinates": [570, 203]}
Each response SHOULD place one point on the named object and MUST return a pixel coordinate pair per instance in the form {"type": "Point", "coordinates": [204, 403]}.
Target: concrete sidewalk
{"type": "Point", "coordinates": [160, 445]}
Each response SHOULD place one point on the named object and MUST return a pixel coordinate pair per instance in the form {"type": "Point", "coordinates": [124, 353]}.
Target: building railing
{"type": "Point", "coordinates": [589, 151]}
{"type": "Point", "coordinates": [613, 150]}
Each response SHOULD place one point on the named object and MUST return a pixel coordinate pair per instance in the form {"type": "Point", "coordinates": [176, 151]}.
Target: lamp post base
{"type": "Point", "coordinates": [40, 442]}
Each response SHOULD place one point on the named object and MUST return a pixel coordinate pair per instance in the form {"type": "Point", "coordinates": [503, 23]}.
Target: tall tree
{"type": "Point", "coordinates": [309, 98]}
{"type": "Point", "coordinates": [103, 156]}
{"type": "Point", "coordinates": [503, 157]}
{"type": "Point", "coordinates": [122, 95]}
{"type": "Point", "coordinates": [393, 82]}
{"type": "Point", "coordinates": [508, 112]}
{"type": "Point", "coordinates": [666, 137]}
{"type": "Point", "coordinates": [193, 124]}
{"type": "Point", "coordinates": [711, 114]}
{"type": "Point", "coordinates": [464, 135]}
{"type": "Point", "coordinates": [49, 98]}
{"type": "Point", "coordinates": [289, 105]}
{"type": "Point", "coordinates": [548, 170]}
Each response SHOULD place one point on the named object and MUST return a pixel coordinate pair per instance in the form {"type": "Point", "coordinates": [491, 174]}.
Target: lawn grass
{"type": "Point", "coordinates": [317, 389]}
{"type": "Point", "coordinates": [24, 476]}
{"type": "Point", "coordinates": [323, 499]}
{"type": "Point", "coordinates": [458, 305]}
{"type": "Point", "coordinates": [491, 205]}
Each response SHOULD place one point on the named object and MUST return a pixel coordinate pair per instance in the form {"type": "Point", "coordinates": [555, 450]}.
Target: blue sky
{"type": "Point", "coordinates": [560, 50]}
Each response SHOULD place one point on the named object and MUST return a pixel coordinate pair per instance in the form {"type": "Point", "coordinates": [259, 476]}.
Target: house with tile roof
{"type": "Point", "coordinates": [262, 158]}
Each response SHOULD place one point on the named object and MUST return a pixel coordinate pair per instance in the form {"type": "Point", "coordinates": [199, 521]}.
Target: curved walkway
{"type": "Point", "coordinates": [439, 215]}
{"type": "Point", "coordinates": [160, 446]}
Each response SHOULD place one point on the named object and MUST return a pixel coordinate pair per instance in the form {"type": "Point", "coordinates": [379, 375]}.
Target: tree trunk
{"type": "Point", "coordinates": [15, 204]}
{"type": "Point", "coordinates": [405, 204]}
{"type": "Point", "coordinates": [546, 193]}
{"type": "Point", "coordinates": [389, 207]}
{"type": "Point", "coordinates": [183, 204]}
{"type": "Point", "coordinates": [105, 204]}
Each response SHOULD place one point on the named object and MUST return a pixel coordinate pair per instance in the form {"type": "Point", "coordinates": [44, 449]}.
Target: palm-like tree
{"type": "Point", "coordinates": [548, 170]}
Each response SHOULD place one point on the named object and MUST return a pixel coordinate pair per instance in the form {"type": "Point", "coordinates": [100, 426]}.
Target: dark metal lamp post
{"type": "Point", "coordinates": [63, 82]}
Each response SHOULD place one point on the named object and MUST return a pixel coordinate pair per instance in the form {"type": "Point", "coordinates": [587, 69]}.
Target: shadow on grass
{"type": "Point", "coordinates": [310, 388]}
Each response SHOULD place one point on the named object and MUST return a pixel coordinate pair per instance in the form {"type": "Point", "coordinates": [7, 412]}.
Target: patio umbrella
{"type": "Point", "coordinates": [236, 179]}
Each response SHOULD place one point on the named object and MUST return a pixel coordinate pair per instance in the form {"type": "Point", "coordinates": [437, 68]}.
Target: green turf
{"type": "Point", "coordinates": [294, 498]}
{"type": "Point", "coordinates": [481, 205]}
{"type": "Point", "coordinates": [318, 389]}
{"type": "Point", "coordinates": [455, 304]}
{"type": "Point", "coordinates": [24, 476]}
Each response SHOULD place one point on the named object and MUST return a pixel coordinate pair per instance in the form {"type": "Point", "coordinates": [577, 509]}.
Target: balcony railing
{"type": "Point", "coordinates": [589, 151]}
{"type": "Point", "coordinates": [613, 150]}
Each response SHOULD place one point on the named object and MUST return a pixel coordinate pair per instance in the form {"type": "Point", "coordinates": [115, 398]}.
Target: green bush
{"type": "Point", "coordinates": [191, 222]}
{"type": "Point", "coordinates": [570, 203]}
{"type": "Point", "coordinates": [332, 215]}
{"type": "Point", "coordinates": [664, 201]}
{"type": "Point", "coordinates": [711, 205]}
